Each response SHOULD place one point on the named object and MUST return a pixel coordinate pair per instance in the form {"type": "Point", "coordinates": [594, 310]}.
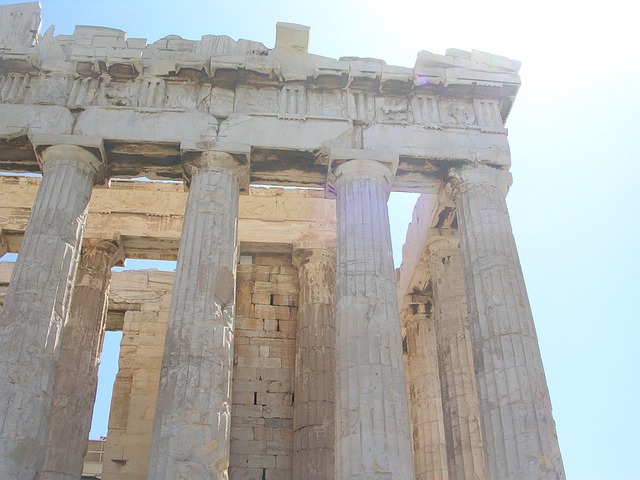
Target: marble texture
{"type": "Point", "coordinates": [425, 398]}
{"type": "Point", "coordinates": [74, 391]}
{"type": "Point", "coordinates": [313, 415]}
{"type": "Point", "coordinates": [192, 422]}
{"type": "Point", "coordinates": [37, 307]}
{"type": "Point", "coordinates": [372, 419]}
{"type": "Point", "coordinates": [518, 430]}
{"type": "Point", "coordinates": [461, 412]}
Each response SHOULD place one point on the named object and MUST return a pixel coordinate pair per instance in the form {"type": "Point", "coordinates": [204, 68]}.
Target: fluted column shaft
{"type": "Point", "coordinates": [313, 414]}
{"type": "Point", "coordinates": [192, 421]}
{"type": "Point", "coordinates": [4, 247]}
{"type": "Point", "coordinates": [74, 392]}
{"type": "Point", "coordinates": [517, 426]}
{"type": "Point", "coordinates": [425, 400]}
{"type": "Point", "coordinates": [37, 307]}
{"type": "Point", "coordinates": [372, 421]}
{"type": "Point", "coordinates": [455, 361]}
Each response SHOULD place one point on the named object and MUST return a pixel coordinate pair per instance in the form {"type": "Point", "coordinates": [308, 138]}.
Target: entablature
{"type": "Point", "coordinates": [288, 106]}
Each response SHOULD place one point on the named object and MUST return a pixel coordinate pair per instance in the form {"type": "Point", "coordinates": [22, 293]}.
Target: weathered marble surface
{"type": "Point", "coordinates": [149, 107]}
{"type": "Point", "coordinates": [314, 407]}
{"type": "Point", "coordinates": [193, 411]}
{"type": "Point", "coordinates": [146, 99]}
{"type": "Point", "coordinates": [518, 430]}
{"type": "Point", "coordinates": [148, 216]}
{"type": "Point", "coordinates": [74, 392]}
{"type": "Point", "coordinates": [37, 307]}
{"type": "Point", "coordinates": [461, 415]}
{"type": "Point", "coordinates": [425, 397]}
{"type": "Point", "coordinates": [372, 419]}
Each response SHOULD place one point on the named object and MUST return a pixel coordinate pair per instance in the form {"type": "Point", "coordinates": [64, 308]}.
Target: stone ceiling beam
{"type": "Point", "coordinates": [148, 216]}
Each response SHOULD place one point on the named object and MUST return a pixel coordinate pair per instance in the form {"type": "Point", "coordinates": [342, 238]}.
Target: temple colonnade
{"type": "Point", "coordinates": [286, 345]}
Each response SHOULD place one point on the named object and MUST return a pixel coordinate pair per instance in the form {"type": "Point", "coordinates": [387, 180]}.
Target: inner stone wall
{"type": "Point", "coordinates": [145, 297]}
{"type": "Point", "coordinates": [263, 378]}
{"type": "Point", "coordinates": [263, 375]}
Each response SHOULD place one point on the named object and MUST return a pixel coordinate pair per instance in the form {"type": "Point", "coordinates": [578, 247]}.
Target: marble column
{"type": "Point", "coordinates": [372, 419]}
{"type": "Point", "coordinates": [313, 414]}
{"type": "Point", "coordinates": [455, 362]}
{"type": "Point", "coordinates": [517, 426]}
{"type": "Point", "coordinates": [76, 383]}
{"type": "Point", "coordinates": [425, 399]}
{"type": "Point", "coordinates": [4, 247]}
{"type": "Point", "coordinates": [37, 307]}
{"type": "Point", "coordinates": [191, 434]}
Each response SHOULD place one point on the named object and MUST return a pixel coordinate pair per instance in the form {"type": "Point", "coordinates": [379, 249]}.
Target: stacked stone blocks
{"type": "Point", "coordinates": [263, 375]}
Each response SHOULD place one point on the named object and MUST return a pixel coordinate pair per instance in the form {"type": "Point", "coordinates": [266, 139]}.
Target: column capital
{"type": "Point", "coordinates": [311, 250]}
{"type": "Point", "coordinates": [231, 158]}
{"type": "Point", "coordinates": [350, 163]}
{"type": "Point", "coordinates": [112, 248]}
{"type": "Point", "coordinates": [461, 177]}
{"type": "Point", "coordinates": [87, 151]}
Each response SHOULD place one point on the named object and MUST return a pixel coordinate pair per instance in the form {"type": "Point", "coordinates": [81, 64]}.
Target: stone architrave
{"type": "Point", "coordinates": [455, 362]}
{"type": "Point", "coordinates": [191, 435]}
{"type": "Point", "coordinates": [518, 430]}
{"type": "Point", "coordinates": [425, 399]}
{"type": "Point", "coordinates": [76, 383]}
{"type": "Point", "coordinates": [372, 418]}
{"type": "Point", "coordinates": [313, 415]}
{"type": "Point", "coordinates": [37, 306]}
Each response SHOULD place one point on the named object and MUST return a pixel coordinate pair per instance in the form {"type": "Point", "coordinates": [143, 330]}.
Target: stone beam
{"type": "Point", "coordinates": [285, 154]}
{"type": "Point", "coordinates": [413, 272]}
{"type": "Point", "coordinates": [148, 216]}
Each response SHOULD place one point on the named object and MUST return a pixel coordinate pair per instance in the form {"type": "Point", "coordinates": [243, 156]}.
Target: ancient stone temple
{"type": "Point", "coordinates": [285, 345]}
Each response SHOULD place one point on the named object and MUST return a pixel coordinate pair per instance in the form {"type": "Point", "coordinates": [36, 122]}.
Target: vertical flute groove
{"type": "Point", "coordinates": [192, 422]}
{"type": "Point", "coordinates": [372, 426]}
{"type": "Point", "coordinates": [517, 426]}
{"type": "Point", "coordinates": [37, 306]}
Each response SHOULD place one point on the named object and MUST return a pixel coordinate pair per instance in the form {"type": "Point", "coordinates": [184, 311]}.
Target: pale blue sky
{"type": "Point", "coordinates": [575, 142]}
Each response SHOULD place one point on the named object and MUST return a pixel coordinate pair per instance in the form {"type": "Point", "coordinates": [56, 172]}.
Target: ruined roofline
{"type": "Point", "coordinates": [288, 116]}
{"type": "Point", "coordinates": [93, 51]}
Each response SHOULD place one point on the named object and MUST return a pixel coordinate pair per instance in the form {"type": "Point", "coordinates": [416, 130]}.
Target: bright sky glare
{"type": "Point", "coordinates": [576, 163]}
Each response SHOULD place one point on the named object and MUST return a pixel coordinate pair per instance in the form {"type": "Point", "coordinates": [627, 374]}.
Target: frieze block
{"type": "Point", "coordinates": [488, 115]}
{"type": "Point", "coordinates": [392, 109]}
{"type": "Point", "coordinates": [250, 99]}
{"type": "Point", "coordinates": [84, 92]}
{"type": "Point", "coordinates": [293, 101]}
{"type": "Point", "coordinates": [217, 101]}
{"type": "Point", "coordinates": [152, 92]}
{"type": "Point", "coordinates": [362, 107]}
{"type": "Point", "coordinates": [13, 87]}
{"type": "Point", "coordinates": [457, 113]}
{"type": "Point", "coordinates": [327, 103]}
{"type": "Point", "coordinates": [424, 109]}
